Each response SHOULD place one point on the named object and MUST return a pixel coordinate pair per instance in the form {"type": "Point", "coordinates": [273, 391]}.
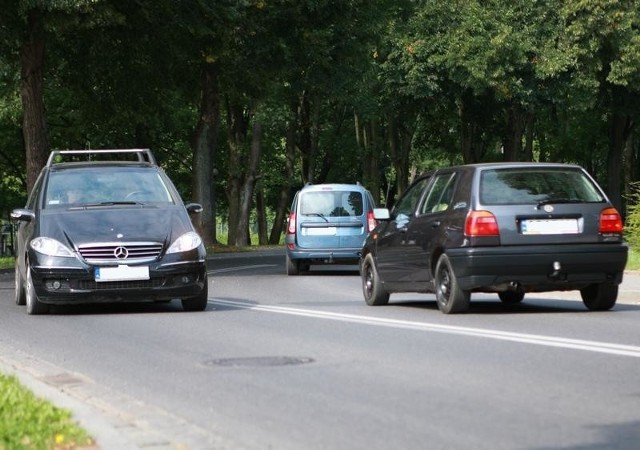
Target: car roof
{"type": "Point", "coordinates": [109, 156]}
{"type": "Point", "coordinates": [333, 187]}
{"type": "Point", "coordinates": [500, 165]}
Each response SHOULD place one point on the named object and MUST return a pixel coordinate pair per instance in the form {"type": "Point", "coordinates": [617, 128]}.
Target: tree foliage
{"type": "Point", "coordinates": [245, 101]}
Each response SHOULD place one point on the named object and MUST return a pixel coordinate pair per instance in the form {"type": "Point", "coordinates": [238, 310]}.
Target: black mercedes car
{"type": "Point", "coordinates": [107, 226]}
{"type": "Point", "coordinates": [507, 228]}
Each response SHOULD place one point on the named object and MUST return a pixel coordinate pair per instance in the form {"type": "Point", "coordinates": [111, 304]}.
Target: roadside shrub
{"type": "Point", "coordinates": [632, 222]}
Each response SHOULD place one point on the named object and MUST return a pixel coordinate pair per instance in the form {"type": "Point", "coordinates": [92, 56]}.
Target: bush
{"type": "Point", "coordinates": [632, 223]}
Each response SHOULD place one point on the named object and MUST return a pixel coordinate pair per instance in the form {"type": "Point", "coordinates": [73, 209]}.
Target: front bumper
{"type": "Point", "coordinates": [69, 285]}
{"type": "Point", "coordinates": [539, 268]}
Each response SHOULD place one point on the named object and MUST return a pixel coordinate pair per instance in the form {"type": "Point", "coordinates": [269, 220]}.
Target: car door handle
{"type": "Point", "coordinates": [435, 224]}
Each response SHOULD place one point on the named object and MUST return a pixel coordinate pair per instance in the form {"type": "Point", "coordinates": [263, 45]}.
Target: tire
{"type": "Point", "coordinates": [451, 299]}
{"type": "Point", "coordinates": [599, 297]}
{"type": "Point", "coordinates": [511, 297]}
{"type": "Point", "coordinates": [374, 292]}
{"type": "Point", "coordinates": [34, 305]}
{"type": "Point", "coordinates": [20, 296]}
{"type": "Point", "coordinates": [293, 266]}
{"type": "Point", "coordinates": [200, 301]}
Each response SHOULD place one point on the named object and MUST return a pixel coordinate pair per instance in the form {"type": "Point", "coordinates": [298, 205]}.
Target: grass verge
{"type": "Point", "coordinates": [28, 422]}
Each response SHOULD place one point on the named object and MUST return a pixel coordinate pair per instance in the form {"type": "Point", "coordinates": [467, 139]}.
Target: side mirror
{"type": "Point", "coordinates": [193, 208]}
{"type": "Point", "coordinates": [381, 214]}
{"type": "Point", "coordinates": [22, 215]}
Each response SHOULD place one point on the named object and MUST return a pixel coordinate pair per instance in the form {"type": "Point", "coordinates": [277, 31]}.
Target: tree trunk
{"type": "Point", "coordinates": [251, 176]}
{"type": "Point", "coordinates": [620, 130]}
{"type": "Point", "coordinates": [261, 212]}
{"type": "Point", "coordinates": [34, 127]}
{"type": "Point", "coordinates": [512, 142]}
{"type": "Point", "coordinates": [237, 119]}
{"type": "Point", "coordinates": [285, 189]}
{"type": "Point", "coordinates": [204, 148]}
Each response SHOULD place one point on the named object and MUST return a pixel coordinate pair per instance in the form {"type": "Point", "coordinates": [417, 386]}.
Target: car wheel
{"type": "Point", "coordinates": [293, 266]}
{"type": "Point", "coordinates": [34, 305]}
{"type": "Point", "coordinates": [19, 290]}
{"type": "Point", "coordinates": [600, 296]}
{"type": "Point", "coordinates": [451, 299]}
{"type": "Point", "coordinates": [374, 293]}
{"type": "Point", "coordinates": [200, 301]}
{"type": "Point", "coordinates": [511, 296]}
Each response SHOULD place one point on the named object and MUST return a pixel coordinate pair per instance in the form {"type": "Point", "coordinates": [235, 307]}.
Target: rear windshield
{"type": "Point", "coordinates": [331, 203]}
{"type": "Point", "coordinates": [105, 185]}
{"type": "Point", "coordinates": [536, 185]}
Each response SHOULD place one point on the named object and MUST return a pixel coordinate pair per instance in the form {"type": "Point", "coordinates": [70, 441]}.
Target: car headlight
{"type": "Point", "coordinates": [185, 243]}
{"type": "Point", "coordinates": [51, 247]}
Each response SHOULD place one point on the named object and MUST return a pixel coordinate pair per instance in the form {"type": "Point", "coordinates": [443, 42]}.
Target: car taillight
{"type": "Point", "coordinates": [610, 221]}
{"type": "Point", "coordinates": [371, 221]}
{"type": "Point", "coordinates": [481, 223]}
{"type": "Point", "coordinates": [291, 229]}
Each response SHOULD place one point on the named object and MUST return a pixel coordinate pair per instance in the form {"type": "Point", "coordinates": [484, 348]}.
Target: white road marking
{"type": "Point", "coordinates": [535, 339]}
{"type": "Point", "coordinates": [238, 268]}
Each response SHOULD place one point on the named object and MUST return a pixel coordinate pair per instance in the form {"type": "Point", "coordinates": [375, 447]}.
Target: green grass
{"type": "Point", "coordinates": [28, 422]}
{"type": "Point", "coordinates": [6, 262]}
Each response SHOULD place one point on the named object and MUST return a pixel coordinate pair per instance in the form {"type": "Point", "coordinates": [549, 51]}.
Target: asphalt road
{"type": "Point", "coordinates": [279, 362]}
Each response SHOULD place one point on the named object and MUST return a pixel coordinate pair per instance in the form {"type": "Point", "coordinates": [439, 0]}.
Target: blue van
{"type": "Point", "coordinates": [328, 224]}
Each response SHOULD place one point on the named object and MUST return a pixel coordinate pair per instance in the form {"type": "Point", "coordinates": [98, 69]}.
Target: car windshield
{"type": "Point", "coordinates": [536, 186]}
{"type": "Point", "coordinates": [331, 203]}
{"type": "Point", "coordinates": [105, 185]}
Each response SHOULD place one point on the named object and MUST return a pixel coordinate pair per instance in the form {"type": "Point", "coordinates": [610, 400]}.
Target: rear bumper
{"type": "Point", "coordinates": [326, 256]}
{"type": "Point", "coordinates": [539, 268]}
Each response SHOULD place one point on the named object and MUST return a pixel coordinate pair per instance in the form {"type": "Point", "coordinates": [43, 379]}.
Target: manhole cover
{"type": "Point", "coordinates": [259, 361]}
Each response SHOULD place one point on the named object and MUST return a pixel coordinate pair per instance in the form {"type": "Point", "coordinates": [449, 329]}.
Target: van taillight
{"type": "Point", "coordinates": [610, 221]}
{"type": "Point", "coordinates": [481, 223]}
{"type": "Point", "coordinates": [371, 221]}
{"type": "Point", "coordinates": [291, 228]}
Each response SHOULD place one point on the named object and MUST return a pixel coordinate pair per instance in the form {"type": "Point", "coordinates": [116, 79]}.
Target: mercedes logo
{"type": "Point", "coordinates": [121, 253]}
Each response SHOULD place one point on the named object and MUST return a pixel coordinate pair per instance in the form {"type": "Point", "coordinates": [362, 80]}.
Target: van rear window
{"type": "Point", "coordinates": [535, 185]}
{"type": "Point", "coordinates": [331, 203]}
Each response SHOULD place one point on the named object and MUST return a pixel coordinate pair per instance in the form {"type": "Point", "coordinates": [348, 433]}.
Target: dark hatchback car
{"type": "Point", "coordinates": [107, 226]}
{"type": "Point", "coordinates": [508, 228]}
{"type": "Point", "coordinates": [327, 224]}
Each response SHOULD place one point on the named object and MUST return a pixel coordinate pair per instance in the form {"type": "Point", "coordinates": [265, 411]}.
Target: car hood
{"type": "Point", "coordinates": [75, 227]}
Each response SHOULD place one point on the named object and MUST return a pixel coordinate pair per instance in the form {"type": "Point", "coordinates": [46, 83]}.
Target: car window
{"type": "Point", "coordinates": [331, 203]}
{"type": "Point", "coordinates": [440, 195]}
{"type": "Point", "coordinates": [535, 185]}
{"type": "Point", "coordinates": [105, 185]}
{"type": "Point", "coordinates": [409, 200]}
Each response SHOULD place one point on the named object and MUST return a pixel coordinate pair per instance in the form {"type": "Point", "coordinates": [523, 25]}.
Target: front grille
{"type": "Point", "coordinates": [116, 285]}
{"type": "Point", "coordinates": [120, 251]}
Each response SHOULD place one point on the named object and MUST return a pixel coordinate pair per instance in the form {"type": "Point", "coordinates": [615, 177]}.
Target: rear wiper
{"type": "Point", "coordinates": [557, 201]}
{"type": "Point", "coordinates": [317, 215]}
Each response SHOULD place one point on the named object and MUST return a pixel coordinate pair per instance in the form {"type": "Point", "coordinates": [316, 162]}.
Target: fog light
{"type": "Point", "coordinates": [56, 285]}
{"type": "Point", "coordinates": [185, 279]}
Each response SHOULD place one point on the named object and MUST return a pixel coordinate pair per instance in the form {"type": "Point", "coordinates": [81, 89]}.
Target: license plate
{"type": "Point", "coordinates": [549, 226]}
{"type": "Point", "coordinates": [122, 273]}
{"type": "Point", "coordinates": [321, 231]}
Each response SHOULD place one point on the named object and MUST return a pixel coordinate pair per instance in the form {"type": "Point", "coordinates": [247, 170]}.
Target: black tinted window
{"type": "Point", "coordinates": [409, 200]}
{"type": "Point", "coordinates": [440, 194]}
{"type": "Point", "coordinates": [100, 184]}
{"type": "Point", "coordinates": [535, 185]}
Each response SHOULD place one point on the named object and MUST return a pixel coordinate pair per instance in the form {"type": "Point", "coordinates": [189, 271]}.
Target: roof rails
{"type": "Point", "coordinates": [142, 154]}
